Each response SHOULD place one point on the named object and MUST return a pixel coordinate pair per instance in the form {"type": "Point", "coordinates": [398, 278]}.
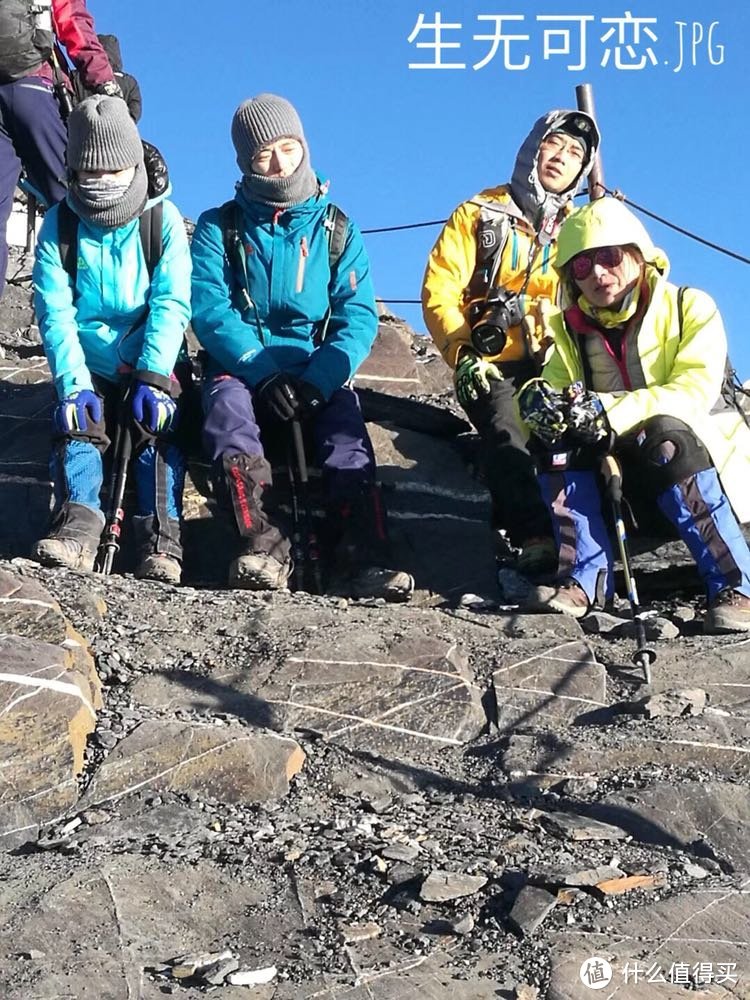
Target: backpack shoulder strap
{"type": "Point", "coordinates": [67, 239]}
{"type": "Point", "coordinates": [337, 229]}
{"type": "Point", "coordinates": [493, 230]}
{"type": "Point", "coordinates": [151, 225]}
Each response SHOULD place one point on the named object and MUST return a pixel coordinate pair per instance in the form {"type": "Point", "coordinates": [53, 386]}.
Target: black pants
{"type": "Point", "coordinates": [517, 504]}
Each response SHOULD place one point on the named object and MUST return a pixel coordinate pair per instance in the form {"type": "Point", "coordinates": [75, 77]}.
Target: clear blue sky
{"type": "Point", "coordinates": [405, 145]}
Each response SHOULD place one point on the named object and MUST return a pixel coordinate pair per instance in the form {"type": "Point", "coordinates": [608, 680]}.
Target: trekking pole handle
{"type": "Point", "coordinates": [613, 477]}
{"type": "Point", "coordinates": [585, 102]}
{"type": "Point", "coordinates": [299, 449]}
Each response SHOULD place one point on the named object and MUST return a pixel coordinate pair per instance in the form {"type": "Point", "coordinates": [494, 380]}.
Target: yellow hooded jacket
{"type": "Point", "coordinates": [683, 369]}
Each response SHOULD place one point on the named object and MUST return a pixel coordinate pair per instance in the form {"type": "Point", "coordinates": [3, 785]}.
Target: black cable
{"type": "Point", "coordinates": [411, 225]}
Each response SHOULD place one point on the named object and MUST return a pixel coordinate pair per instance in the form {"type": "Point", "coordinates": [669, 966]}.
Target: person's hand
{"type": "Point", "coordinates": [473, 376]}
{"type": "Point", "coordinates": [278, 395]}
{"type": "Point", "coordinates": [153, 408]}
{"type": "Point", "coordinates": [544, 411]}
{"type": "Point", "coordinates": [74, 413]}
{"type": "Point", "coordinates": [587, 419]}
{"type": "Point", "coordinates": [309, 397]}
{"type": "Point", "coordinates": [109, 89]}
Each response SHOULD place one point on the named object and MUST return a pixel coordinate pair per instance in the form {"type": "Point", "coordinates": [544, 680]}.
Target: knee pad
{"type": "Point", "coordinates": [669, 451]}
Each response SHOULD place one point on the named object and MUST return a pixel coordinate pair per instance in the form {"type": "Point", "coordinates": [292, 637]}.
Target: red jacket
{"type": "Point", "coordinates": [74, 27]}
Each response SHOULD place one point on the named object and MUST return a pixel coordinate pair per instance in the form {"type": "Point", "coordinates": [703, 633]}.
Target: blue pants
{"type": "Point", "coordinates": [665, 463]}
{"type": "Point", "coordinates": [32, 135]}
{"type": "Point", "coordinates": [342, 446]}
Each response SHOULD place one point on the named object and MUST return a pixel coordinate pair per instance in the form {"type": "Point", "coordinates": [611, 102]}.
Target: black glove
{"type": "Point", "coordinates": [278, 395]}
{"type": "Point", "coordinates": [309, 397]}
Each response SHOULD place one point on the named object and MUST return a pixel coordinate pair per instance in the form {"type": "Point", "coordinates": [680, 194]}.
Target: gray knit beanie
{"type": "Point", "coordinates": [103, 136]}
{"type": "Point", "coordinates": [256, 123]}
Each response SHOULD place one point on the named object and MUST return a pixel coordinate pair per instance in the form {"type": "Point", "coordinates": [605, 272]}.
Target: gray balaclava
{"type": "Point", "coordinates": [257, 122]}
{"type": "Point", "coordinates": [103, 136]}
{"type": "Point", "coordinates": [536, 203]}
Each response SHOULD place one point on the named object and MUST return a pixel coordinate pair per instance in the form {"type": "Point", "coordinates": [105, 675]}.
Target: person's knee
{"type": "Point", "coordinates": [669, 452]}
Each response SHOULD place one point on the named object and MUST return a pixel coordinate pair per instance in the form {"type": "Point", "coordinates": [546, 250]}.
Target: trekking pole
{"type": "Point", "coordinates": [110, 542]}
{"type": "Point", "coordinates": [585, 102]}
{"type": "Point", "coordinates": [298, 551]}
{"type": "Point", "coordinates": [644, 655]}
{"type": "Point", "coordinates": [312, 553]}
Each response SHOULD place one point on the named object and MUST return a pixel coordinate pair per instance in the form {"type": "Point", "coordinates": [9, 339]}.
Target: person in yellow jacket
{"type": "Point", "coordinates": [638, 367]}
{"type": "Point", "coordinates": [488, 283]}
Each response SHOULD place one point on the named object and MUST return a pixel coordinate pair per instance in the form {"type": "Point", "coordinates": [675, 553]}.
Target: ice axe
{"type": "Point", "coordinates": [644, 655]}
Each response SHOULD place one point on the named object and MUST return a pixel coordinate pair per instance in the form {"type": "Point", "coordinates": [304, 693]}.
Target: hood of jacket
{"type": "Point", "coordinates": [111, 45]}
{"type": "Point", "coordinates": [536, 203]}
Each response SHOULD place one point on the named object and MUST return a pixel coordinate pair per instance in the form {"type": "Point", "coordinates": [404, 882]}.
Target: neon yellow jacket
{"type": "Point", "coordinates": [683, 376]}
{"type": "Point", "coordinates": [451, 265]}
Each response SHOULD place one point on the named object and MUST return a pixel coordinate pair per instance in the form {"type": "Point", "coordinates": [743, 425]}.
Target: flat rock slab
{"type": "Point", "coordinates": [558, 681]}
{"type": "Point", "coordinates": [707, 742]}
{"type": "Point", "coordinates": [360, 685]}
{"type": "Point", "coordinates": [700, 816]}
{"type": "Point", "coordinates": [440, 886]}
{"type": "Point", "coordinates": [391, 365]}
{"type": "Point", "coordinates": [722, 672]}
{"type": "Point", "coordinates": [27, 609]}
{"type": "Point", "coordinates": [97, 930]}
{"type": "Point", "coordinates": [230, 763]}
{"type": "Point", "coordinates": [705, 926]}
{"type": "Point", "coordinates": [47, 709]}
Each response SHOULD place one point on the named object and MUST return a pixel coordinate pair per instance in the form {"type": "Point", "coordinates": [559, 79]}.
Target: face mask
{"type": "Point", "coordinates": [102, 190]}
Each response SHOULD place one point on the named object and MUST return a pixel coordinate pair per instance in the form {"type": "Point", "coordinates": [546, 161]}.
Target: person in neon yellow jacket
{"type": "Point", "coordinates": [638, 366]}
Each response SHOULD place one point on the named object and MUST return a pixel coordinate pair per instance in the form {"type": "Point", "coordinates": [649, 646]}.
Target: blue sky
{"type": "Point", "coordinates": [404, 145]}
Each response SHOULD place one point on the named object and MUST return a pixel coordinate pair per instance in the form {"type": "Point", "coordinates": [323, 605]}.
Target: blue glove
{"type": "Point", "coordinates": [153, 408]}
{"type": "Point", "coordinates": [76, 411]}
{"type": "Point", "coordinates": [544, 410]}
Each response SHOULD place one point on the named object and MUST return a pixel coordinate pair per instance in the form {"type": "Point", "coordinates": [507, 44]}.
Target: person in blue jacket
{"type": "Point", "coordinates": [262, 324]}
{"type": "Point", "coordinates": [112, 332]}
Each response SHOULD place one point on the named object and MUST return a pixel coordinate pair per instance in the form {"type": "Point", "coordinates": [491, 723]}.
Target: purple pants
{"type": "Point", "coordinates": [32, 135]}
{"type": "Point", "coordinates": [342, 447]}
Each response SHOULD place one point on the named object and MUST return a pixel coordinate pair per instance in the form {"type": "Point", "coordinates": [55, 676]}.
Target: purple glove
{"type": "Point", "coordinates": [153, 408]}
{"type": "Point", "coordinates": [75, 412]}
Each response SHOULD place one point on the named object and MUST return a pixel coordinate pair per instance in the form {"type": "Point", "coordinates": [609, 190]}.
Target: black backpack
{"type": "Point", "coordinates": [24, 44]}
{"type": "Point", "coordinates": [337, 228]}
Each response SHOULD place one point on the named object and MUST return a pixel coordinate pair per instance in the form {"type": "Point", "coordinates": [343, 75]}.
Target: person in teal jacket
{"type": "Point", "coordinates": [285, 327]}
{"type": "Point", "coordinates": [112, 332]}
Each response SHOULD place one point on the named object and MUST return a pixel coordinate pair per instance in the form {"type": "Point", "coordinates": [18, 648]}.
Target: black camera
{"type": "Point", "coordinates": [494, 316]}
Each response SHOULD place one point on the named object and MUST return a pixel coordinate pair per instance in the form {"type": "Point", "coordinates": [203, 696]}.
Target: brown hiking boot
{"type": "Point", "coordinates": [395, 586]}
{"type": "Point", "coordinates": [567, 597]}
{"type": "Point", "coordinates": [729, 611]}
{"type": "Point", "coordinates": [159, 567]}
{"type": "Point", "coordinates": [73, 539]}
{"type": "Point", "coordinates": [259, 571]}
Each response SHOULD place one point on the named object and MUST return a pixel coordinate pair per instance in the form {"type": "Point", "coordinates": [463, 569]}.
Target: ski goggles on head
{"type": "Point", "coordinates": [582, 264]}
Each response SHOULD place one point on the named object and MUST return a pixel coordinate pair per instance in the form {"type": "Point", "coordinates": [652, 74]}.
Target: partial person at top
{"type": "Point", "coordinates": [34, 87]}
{"type": "Point", "coordinates": [488, 282]}
{"type": "Point", "coordinates": [128, 84]}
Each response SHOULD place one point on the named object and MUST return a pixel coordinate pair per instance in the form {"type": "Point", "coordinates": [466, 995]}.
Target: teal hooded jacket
{"type": "Point", "coordinates": [118, 317]}
{"type": "Point", "coordinates": [291, 284]}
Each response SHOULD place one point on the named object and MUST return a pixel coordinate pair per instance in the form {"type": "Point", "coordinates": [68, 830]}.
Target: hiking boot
{"type": "Point", "coordinates": [159, 567]}
{"type": "Point", "coordinates": [538, 557]}
{"type": "Point", "coordinates": [64, 552]}
{"type": "Point", "coordinates": [567, 597]}
{"type": "Point", "coordinates": [73, 540]}
{"type": "Point", "coordinates": [729, 611]}
{"type": "Point", "coordinates": [394, 585]}
{"type": "Point", "coordinates": [259, 571]}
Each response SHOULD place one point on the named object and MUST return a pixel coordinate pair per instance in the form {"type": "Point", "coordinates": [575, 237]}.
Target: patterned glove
{"type": "Point", "coordinates": [587, 420]}
{"type": "Point", "coordinates": [278, 395]}
{"type": "Point", "coordinates": [543, 410]}
{"type": "Point", "coordinates": [153, 408]}
{"type": "Point", "coordinates": [109, 89]}
{"type": "Point", "coordinates": [74, 413]}
{"type": "Point", "coordinates": [473, 376]}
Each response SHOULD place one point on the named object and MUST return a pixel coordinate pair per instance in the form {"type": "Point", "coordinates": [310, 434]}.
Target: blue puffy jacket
{"type": "Point", "coordinates": [107, 327]}
{"type": "Point", "coordinates": [291, 284]}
